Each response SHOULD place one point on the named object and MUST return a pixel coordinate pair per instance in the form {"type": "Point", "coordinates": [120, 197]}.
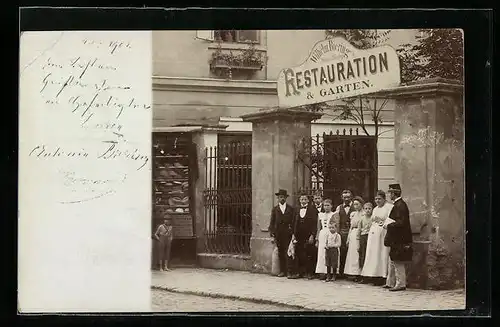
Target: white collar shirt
{"type": "Point", "coordinates": [282, 208]}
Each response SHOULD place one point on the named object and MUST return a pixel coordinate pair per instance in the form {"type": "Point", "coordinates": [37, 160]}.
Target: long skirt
{"type": "Point", "coordinates": [377, 255]}
{"type": "Point", "coordinates": [352, 258]}
{"type": "Point", "coordinates": [320, 263]}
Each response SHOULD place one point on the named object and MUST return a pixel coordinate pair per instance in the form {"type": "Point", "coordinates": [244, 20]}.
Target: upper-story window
{"type": "Point", "coordinates": [230, 36]}
{"type": "Point", "coordinates": [237, 36]}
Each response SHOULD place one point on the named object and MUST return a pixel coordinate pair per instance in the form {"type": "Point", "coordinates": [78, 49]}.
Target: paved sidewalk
{"type": "Point", "coordinates": [311, 295]}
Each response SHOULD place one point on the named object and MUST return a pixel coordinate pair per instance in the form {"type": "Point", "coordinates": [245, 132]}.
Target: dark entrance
{"type": "Point", "coordinates": [337, 161]}
{"type": "Point", "coordinates": [174, 174]}
{"type": "Point", "coordinates": [228, 195]}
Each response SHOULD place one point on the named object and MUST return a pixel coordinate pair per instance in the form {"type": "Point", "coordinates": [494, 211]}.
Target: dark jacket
{"type": "Point", "coordinates": [344, 223]}
{"type": "Point", "coordinates": [399, 237]}
{"type": "Point", "coordinates": [307, 226]}
{"type": "Point", "coordinates": [322, 208]}
{"type": "Point", "coordinates": [281, 224]}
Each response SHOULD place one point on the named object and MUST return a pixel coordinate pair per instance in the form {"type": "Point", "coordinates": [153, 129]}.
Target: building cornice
{"type": "Point", "coordinates": [190, 128]}
{"type": "Point", "coordinates": [281, 113]}
{"type": "Point", "coordinates": [191, 84]}
{"type": "Point", "coordinates": [435, 86]}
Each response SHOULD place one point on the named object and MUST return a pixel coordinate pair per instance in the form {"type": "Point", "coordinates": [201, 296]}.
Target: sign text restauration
{"type": "Point", "coordinates": [335, 70]}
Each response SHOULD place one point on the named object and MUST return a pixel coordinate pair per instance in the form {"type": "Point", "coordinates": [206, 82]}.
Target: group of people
{"type": "Point", "coordinates": [356, 240]}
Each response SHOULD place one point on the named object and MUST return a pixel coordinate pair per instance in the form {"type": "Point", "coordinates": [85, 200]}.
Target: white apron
{"type": "Point", "coordinates": [352, 258]}
{"type": "Point", "coordinates": [377, 255]}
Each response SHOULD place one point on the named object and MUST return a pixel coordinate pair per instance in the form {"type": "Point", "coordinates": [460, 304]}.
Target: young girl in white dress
{"type": "Point", "coordinates": [352, 259]}
{"type": "Point", "coordinates": [377, 255]}
{"type": "Point", "coordinates": [323, 220]}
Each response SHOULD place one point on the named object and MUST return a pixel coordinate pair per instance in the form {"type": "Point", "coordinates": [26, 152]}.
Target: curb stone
{"type": "Point", "coordinates": [231, 297]}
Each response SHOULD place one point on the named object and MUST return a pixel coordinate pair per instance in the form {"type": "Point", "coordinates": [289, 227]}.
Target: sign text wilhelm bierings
{"type": "Point", "coordinates": [334, 70]}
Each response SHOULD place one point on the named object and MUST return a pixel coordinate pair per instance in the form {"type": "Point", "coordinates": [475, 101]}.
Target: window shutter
{"type": "Point", "coordinates": [207, 35]}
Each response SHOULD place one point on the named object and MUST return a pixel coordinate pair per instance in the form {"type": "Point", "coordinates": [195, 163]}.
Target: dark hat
{"type": "Point", "coordinates": [281, 192]}
{"type": "Point", "coordinates": [394, 187]}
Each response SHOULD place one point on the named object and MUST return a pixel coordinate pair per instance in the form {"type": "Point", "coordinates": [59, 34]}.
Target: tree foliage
{"type": "Point", "coordinates": [437, 53]}
{"type": "Point", "coordinates": [361, 38]}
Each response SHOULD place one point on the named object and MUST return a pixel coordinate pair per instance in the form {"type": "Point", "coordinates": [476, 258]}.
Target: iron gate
{"type": "Point", "coordinates": [334, 162]}
{"type": "Point", "coordinates": [228, 198]}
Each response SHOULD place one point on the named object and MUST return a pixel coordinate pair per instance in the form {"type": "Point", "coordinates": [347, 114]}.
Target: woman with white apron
{"type": "Point", "coordinates": [323, 220]}
{"type": "Point", "coordinates": [352, 258]}
{"type": "Point", "coordinates": [377, 255]}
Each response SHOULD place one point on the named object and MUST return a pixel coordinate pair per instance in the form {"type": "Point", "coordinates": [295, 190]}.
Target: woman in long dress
{"type": "Point", "coordinates": [377, 255]}
{"type": "Point", "coordinates": [352, 259]}
{"type": "Point", "coordinates": [323, 219]}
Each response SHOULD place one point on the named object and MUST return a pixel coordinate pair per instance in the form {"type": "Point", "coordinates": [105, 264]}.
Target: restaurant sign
{"type": "Point", "coordinates": [335, 69]}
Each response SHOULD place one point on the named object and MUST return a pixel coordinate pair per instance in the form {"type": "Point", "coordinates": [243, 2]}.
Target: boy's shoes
{"type": "Point", "coordinates": [281, 275]}
{"type": "Point", "coordinates": [161, 269]}
{"type": "Point", "coordinates": [322, 277]}
{"type": "Point", "coordinates": [293, 276]}
{"type": "Point", "coordinates": [310, 276]}
{"type": "Point", "coordinates": [332, 279]}
{"type": "Point", "coordinates": [386, 286]}
{"type": "Point", "coordinates": [395, 289]}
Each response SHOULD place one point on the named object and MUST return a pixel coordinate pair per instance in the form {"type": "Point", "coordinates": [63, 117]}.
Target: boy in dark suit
{"type": "Point", "coordinates": [281, 228]}
{"type": "Point", "coordinates": [304, 232]}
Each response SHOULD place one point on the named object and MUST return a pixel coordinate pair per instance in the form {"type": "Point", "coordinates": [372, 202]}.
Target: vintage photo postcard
{"type": "Point", "coordinates": [242, 170]}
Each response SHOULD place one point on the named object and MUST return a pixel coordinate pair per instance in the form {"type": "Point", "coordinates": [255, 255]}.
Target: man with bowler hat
{"type": "Point", "coordinates": [281, 228]}
{"type": "Point", "coordinates": [399, 239]}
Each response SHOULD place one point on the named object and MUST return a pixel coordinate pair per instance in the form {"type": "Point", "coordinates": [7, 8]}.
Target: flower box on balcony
{"type": "Point", "coordinates": [248, 60]}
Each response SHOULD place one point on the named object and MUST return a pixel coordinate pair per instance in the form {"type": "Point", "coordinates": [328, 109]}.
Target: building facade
{"type": "Point", "coordinates": [203, 82]}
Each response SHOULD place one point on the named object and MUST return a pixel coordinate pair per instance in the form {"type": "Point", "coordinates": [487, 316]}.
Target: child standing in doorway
{"type": "Point", "coordinates": [164, 234]}
{"type": "Point", "coordinates": [332, 251]}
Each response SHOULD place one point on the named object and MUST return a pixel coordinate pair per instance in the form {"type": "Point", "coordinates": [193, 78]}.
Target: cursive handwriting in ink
{"type": "Point", "coordinates": [89, 199]}
{"type": "Point", "coordinates": [113, 151]}
{"type": "Point", "coordinates": [72, 178]}
{"type": "Point", "coordinates": [41, 151]}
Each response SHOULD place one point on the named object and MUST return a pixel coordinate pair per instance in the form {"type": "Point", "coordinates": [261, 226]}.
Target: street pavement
{"type": "Point", "coordinates": [165, 301]}
{"type": "Point", "coordinates": [317, 295]}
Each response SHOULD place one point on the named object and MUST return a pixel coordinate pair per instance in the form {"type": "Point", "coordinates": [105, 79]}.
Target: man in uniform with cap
{"type": "Point", "coordinates": [281, 228]}
{"type": "Point", "coordinates": [399, 239]}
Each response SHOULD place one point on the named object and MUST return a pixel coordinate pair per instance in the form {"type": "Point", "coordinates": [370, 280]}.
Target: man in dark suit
{"type": "Point", "coordinates": [343, 226]}
{"type": "Point", "coordinates": [281, 229]}
{"type": "Point", "coordinates": [304, 235]}
{"type": "Point", "coordinates": [399, 239]}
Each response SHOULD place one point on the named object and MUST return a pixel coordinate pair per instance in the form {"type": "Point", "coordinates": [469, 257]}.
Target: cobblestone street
{"type": "Point", "coordinates": [310, 295]}
{"type": "Point", "coordinates": [165, 301]}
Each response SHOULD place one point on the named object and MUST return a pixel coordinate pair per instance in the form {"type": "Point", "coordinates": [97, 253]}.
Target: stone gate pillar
{"type": "Point", "coordinates": [274, 133]}
{"type": "Point", "coordinates": [429, 151]}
